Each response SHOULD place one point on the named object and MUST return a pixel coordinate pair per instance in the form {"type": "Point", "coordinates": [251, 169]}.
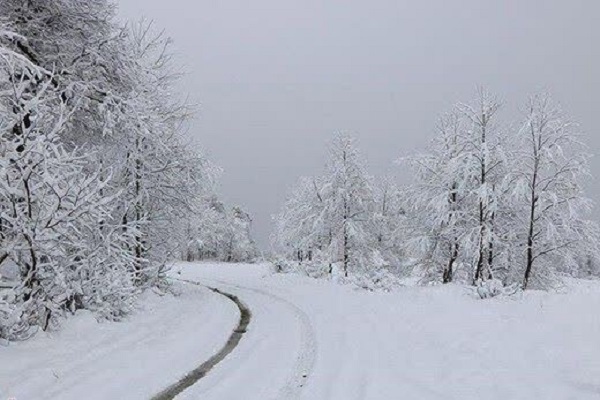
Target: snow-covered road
{"type": "Point", "coordinates": [192, 377]}
{"type": "Point", "coordinates": [277, 354]}
{"type": "Point", "coordinates": [133, 359]}
{"type": "Point", "coordinates": [416, 343]}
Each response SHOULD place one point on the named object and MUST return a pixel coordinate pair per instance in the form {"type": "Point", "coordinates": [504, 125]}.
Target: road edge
{"type": "Point", "coordinates": [201, 371]}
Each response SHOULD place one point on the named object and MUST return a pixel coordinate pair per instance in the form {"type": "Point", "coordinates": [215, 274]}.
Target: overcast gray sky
{"type": "Point", "coordinates": [276, 78]}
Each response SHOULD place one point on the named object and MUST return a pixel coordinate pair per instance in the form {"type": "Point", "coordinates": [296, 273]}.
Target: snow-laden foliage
{"type": "Point", "coordinates": [458, 200]}
{"type": "Point", "coordinates": [550, 164]}
{"type": "Point", "coordinates": [300, 231]}
{"type": "Point", "coordinates": [502, 204]}
{"type": "Point", "coordinates": [338, 224]}
{"type": "Point", "coordinates": [389, 219]}
{"type": "Point", "coordinates": [219, 234]}
{"type": "Point", "coordinates": [496, 205]}
{"type": "Point", "coordinates": [56, 223]}
{"type": "Point", "coordinates": [97, 181]}
{"type": "Point", "coordinates": [347, 196]}
{"type": "Point", "coordinates": [484, 172]}
{"type": "Point", "coordinates": [438, 208]}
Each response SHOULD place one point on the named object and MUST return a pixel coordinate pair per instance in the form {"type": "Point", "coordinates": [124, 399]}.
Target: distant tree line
{"type": "Point", "coordinates": [490, 202]}
{"type": "Point", "coordinates": [217, 233]}
{"type": "Point", "coordinates": [342, 221]}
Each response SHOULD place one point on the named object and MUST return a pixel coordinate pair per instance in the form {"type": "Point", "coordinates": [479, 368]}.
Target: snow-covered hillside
{"type": "Point", "coordinates": [313, 339]}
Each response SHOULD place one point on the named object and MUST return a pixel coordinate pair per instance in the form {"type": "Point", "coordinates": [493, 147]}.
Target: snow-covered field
{"type": "Point", "coordinates": [315, 340]}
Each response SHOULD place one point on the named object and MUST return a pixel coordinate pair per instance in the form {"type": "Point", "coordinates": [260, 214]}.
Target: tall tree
{"type": "Point", "coordinates": [329, 220]}
{"type": "Point", "coordinates": [439, 206]}
{"type": "Point", "coordinates": [300, 230]}
{"type": "Point", "coordinates": [348, 204]}
{"type": "Point", "coordinates": [484, 169]}
{"type": "Point", "coordinates": [389, 220]}
{"type": "Point", "coordinates": [549, 185]}
{"type": "Point", "coordinates": [56, 224]}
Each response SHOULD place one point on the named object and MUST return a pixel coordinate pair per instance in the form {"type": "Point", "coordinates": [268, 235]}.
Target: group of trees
{"type": "Point", "coordinates": [490, 202]}
{"type": "Point", "coordinates": [501, 202]}
{"type": "Point", "coordinates": [219, 233]}
{"type": "Point", "coordinates": [342, 220]}
{"type": "Point", "coordinates": [97, 182]}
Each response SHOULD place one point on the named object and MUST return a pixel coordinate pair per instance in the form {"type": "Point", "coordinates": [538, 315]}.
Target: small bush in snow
{"type": "Point", "coordinates": [494, 287]}
{"type": "Point", "coordinates": [380, 280]}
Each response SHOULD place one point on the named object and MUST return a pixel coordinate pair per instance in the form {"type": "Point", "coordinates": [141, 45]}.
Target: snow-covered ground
{"type": "Point", "coordinates": [415, 343]}
{"type": "Point", "coordinates": [315, 340]}
{"type": "Point", "coordinates": [134, 359]}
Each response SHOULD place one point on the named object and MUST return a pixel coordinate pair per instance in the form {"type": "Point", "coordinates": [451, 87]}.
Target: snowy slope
{"type": "Point", "coordinates": [131, 360]}
{"type": "Point", "coordinates": [416, 343]}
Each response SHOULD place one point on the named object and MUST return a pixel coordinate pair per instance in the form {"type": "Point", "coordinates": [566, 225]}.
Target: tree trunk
{"type": "Point", "coordinates": [482, 208]}
{"type": "Point", "coordinates": [449, 271]}
{"type": "Point", "coordinates": [448, 274]}
{"type": "Point", "coordinates": [139, 246]}
{"type": "Point", "coordinates": [30, 275]}
{"type": "Point", "coordinates": [530, 233]}
{"type": "Point", "coordinates": [346, 256]}
{"type": "Point", "coordinates": [537, 146]}
{"type": "Point", "coordinates": [480, 258]}
{"type": "Point", "coordinates": [490, 262]}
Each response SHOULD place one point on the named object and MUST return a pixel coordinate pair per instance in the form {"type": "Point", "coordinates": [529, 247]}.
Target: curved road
{"type": "Point", "coordinates": [415, 343]}
{"type": "Point", "coordinates": [194, 376]}
{"type": "Point", "coordinates": [265, 358]}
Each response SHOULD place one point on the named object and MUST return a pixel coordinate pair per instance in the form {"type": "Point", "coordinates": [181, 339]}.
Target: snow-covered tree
{"type": "Point", "coordinates": [157, 176]}
{"type": "Point", "coordinates": [56, 223]}
{"type": "Point", "coordinates": [484, 159]}
{"type": "Point", "coordinates": [128, 114]}
{"type": "Point", "coordinates": [207, 233]}
{"type": "Point", "coordinates": [389, 220]}
{"type": "Point", "coordinates": [300, 231]}
{"type": "Point", "coordinates": [439, 209]}
{"type": "Point", "coordinates": [240, 245]}
{"type": "Point", "coordinates": [329, 220]}
{"type": "Point", "coordinates": [79, 42]}
{"type": "Point", "coordinates": [348, 205]}
{"type": "Point", "coordinates": [218, 233]}
{"type": "Point", "coordinates": [504, 204]}
{"type": "Point", "coordinates": [98, 182]}
{"type": "Point", "coordinates": [551, 164]}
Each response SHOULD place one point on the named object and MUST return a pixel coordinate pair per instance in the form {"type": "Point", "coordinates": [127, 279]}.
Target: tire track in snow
{"type": "Point", "coordinates": [234, 339]}
{"type": "Point", "coordinates": [305, 360]}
